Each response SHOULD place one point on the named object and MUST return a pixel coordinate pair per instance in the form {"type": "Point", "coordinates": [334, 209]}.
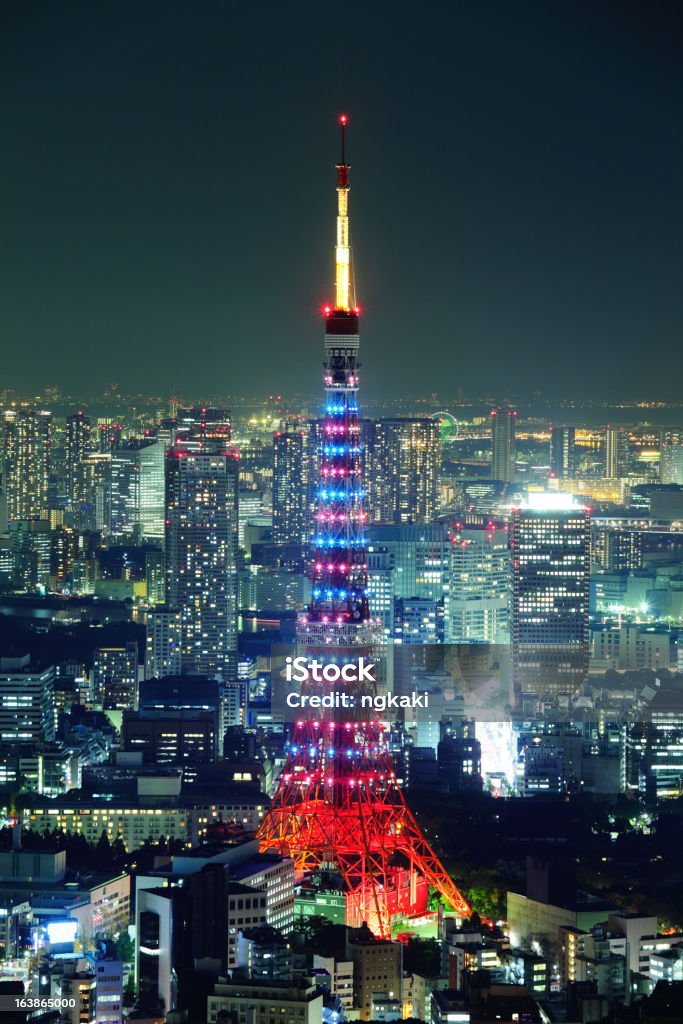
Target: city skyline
{"type": "Point", "coordinates": [370, 708]}
{"type": "Point", "coordinates": [495, 216]}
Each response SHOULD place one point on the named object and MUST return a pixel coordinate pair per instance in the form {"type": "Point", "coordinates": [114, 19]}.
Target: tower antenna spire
{"type": "Point", "coordinates": [343, 250]}
{"type": "Point", "coordinates": [343, 119]}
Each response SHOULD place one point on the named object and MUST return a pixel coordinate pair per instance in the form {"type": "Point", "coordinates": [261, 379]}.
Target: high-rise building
{"type": "Point", "coordinates": [671, 464]}
{"type": "Point", "coordinates": [419, 620]}
{"type": "Point", "coordinates": [338, 803]}
{"type": "Point", "coordinates": [163, 646]}
{"type": "Point", "coordinates": [201, 424]}
{"type": "Point", "coordinates": [155, 576]}
{"type": "Point", "coordinates": [402, 467]}
{"type": "Point", "coordinates": [562, 454]}
{"type": "Point", "coordinates": [290, 488]}
{"type": "Point", "coordinates": [109, 993]}
{"type": "Point", "coordinates": [79, 992]}
{"type": "Point", "coordinates": [109, 436]}
{"type": "Point", "coordinates": [77, 448]}
{"type": "Point", "coordinates": [151, 492]}
{"type": "Point", "coordinates": [95, 511]}
{"type": "Point", "coordinates": [202, 480]}
{"type": "Point", "coordinates": [377, 967]}
{"type": "Point", "coordinates": [503, 452]}
{"type": "Point", "coordinates": [459, 755]}
{"type": "Point", "coordinates": [125, 476]}
{"type": "Point", "coordinates": [184, 694]}
{"type": "Point", "coordinates": [255, 1000]}
{"type": "Point", "coordinates": [250, 506]}
{"type": "Point", "coordinates": [614, 549]}
{"type": "Point", "coordinates": [479, 591]}
{"type": "Point", "coordinates": [162, 916]}
{"type": "Point", "coordinates": [617, 453]}
{"type": "Point", "coordinates": [115, 676]}
{"type": "Point", "coordinates": [137, 490]}
{"type": "Point", "coordinates": [418, 555]}
{"type": "Point", "coordinates": [180, 737]}
{"type": "Point", "coordinates": [32, 550]}
{"type": "Point", "coordinates": [26, 451]}
{"type": "Point", "coordinates": [26, 702]}
{"type": "Point", "coordinates": [63, 554]}
{"type": "Point", "coordinates": [382, 588]}
{"type": "Point", "coordinates": [550, 545]}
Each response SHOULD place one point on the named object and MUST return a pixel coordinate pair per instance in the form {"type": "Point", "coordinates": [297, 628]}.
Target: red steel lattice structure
{"type": "Point", "coordinates": [338, 805]}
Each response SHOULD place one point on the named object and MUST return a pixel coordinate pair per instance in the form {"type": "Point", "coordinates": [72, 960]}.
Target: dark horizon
{"type": "Point", "coordinates": [515, 206]}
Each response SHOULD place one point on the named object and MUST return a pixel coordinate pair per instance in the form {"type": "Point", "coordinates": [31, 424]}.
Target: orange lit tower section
{"type": "Point", "coordinates": [338, 806]}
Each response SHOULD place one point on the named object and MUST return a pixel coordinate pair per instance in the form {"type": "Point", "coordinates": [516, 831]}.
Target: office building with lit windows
{"type": "Point", "coordinates": [377, 967]}
{"type": "Point", "coordinates": [115, 676]}
{"type": "Point", "coordinates": [250, 508]}
{"type": "Point", "coordinates": [671, 464]}
{"type": "Point", "coordinates": [418, 620]}
{"type": "Point", "coordinates": [202, 480]}
{"type": "Point", "coordinates": [210, 426]}
{"type": "Point", "coordinates": [94, 511]}
{"type": "Point", "coordinates": [418, 555]}
{"type": "Point", "coordinates": [63, 554]}
{"type": "Point", "coordinates": [503, 444]}
{"type": "Point", "coordinates": [562, 452]}
{"type": "Point", "coordinates": [550, 549]}
{"type": "Point", "coordinates": [614, 549]}
{"type": "Point", "coordinates": [290, 488]}
{"type": "Point", "coordinates": [155, 576]}
{"type": "Point", "coordinates": [79, 988]}
{"type": "Point", "coordinates": [402, 470]}
{"type": "Point", "coordinates": [653, 763]}
{"type": "Point", "coordinates": [135, 820]}
{"type": "Point", "coordinates": [479, 590]}
{"type": "Point", "coordinates": [137, 490]}
{"type": "Point", "coordinates": [125, 473]}
{"type": "Point", "coordinates": [26, 702]}
{"type": "Point", "coordinates": [78, 440]}
{"type": "Point", "coordinates": [381, 588]}
{"type": "Point", "coordinates": [179, 737]}
{"type": "Point", "coordinates": [27, 439]}
{"type": "Point", "coordinates": [617, 453]}
{"type": "Point", "coordinates": [151, 492]}
{"type": "Point", "coordinates": [162, 647]}
{"type": "Point", "coordinates": [108, 436]}
{"type": "Point", "coordinates": [32, 551]}
{"type": "Point", "coordinates": [256, 1000]}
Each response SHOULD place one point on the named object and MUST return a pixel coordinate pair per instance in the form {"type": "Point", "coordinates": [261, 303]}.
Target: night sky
{"type": "Point", "coordinates": [167, 186]}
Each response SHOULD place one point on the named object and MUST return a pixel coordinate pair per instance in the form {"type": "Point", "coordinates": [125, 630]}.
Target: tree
{"type": "Point", "coordinates": [422, 956]}
{"type": "Point", "coordinates": [103, 852]}
{"type": "Point", "coordinates": [311, 926]}
{"type": "Point", "coordinates": [129, 992]}
{"type": "Point", "coordinates": [125, 948]}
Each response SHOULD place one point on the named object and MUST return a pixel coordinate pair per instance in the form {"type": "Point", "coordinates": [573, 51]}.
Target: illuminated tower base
{"type": "Point", "coordinates": [338, 804]}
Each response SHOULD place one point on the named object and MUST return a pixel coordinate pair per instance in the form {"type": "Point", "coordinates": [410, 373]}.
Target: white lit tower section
{"type": "Point", "coordinates": [339, 612]}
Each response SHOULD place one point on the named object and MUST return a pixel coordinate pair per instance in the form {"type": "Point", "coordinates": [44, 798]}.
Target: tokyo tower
{"type": "Point", "coordinates": [338, 807]}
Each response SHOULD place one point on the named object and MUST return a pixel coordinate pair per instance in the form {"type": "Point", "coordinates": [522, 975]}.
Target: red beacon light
{"type": "Point", "coordinates": [343, 119]}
